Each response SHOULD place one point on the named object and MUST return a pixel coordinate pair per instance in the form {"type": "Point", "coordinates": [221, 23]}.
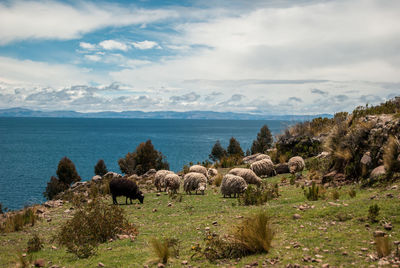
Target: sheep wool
{"type": "Point", "coordinates": [199, 169]}
{"type": "Point", "coordinates": [296, 164]}
{"type": "Point", "coordinates": [172, 182]}
{"type": "Point", "coordinates": [159, 178]}
{"type": "Point", "coordinates": [232, 184]}
{"type": "Point", "coordinates": [247, 174]}
{"type": "Point", "coordinates": [263, 167]}
{"type": "Point", "coordinates": [212, 172]}
{"type": "Point", "coordinates": [194, 181]}
{"type": "Point", "coordinates": [255, 157]}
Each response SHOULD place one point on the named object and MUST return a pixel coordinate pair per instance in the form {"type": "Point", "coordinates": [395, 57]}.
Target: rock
{"type": "Point", "coordinates": [329, 177]}
{"type": "Point", "coordinates": [67, 211]}
{"type": "Point", "coordinates": [388, 226]}
{"type": "Point", "coordinates": [214, 223]}
{"type": "Point", "coordinates": [383, 262]}
{"type": "Point", "coordinates": [378, 171]}
{"type": "Point", "coordinates": [323, 155]}
{"type": "Point", "coordinates": [39, 263]}
{"type": "Point", "coordinates": [78, 184]}
{"type": "Point", "coordinates": [154, 210]}
{"type": "Point", "coordinates": [123, 236]}
{"type": "Point", "coordinates": [296, 216]}
{"type": "Point", "coordinates": [100, 264]}
{"type": "Point", "coordinates": [24, 255]}
{"type": "Point", "coordinates": [334, 204]}
{"type": "Point", "coordinates": [379, 233]}
{"type": "Point", "coordinates": [149, 173]}
{"type": "Point", "coordinates": [169, 205]}
{"type": "Point", "coordinates": [158, 194]}
{"type": "Point", "coordinates": [49, 220]}
{"type": "Point", "coordinates": [207, 228]}
{"type": "Point", "coordinates": [54, 247]}
{"type": "Point", "coordinates": [366, 159]}
{"type": "Point", "coordinates": [184, 262]}
{"type": "Point", "coordinates": [96, 178]}
{"type": "Point", "coordinates": [364, 249]}
{"type": "Point", "coordinates": [160, 265]}
{"type": "Point", "coordinates": [344, 253]}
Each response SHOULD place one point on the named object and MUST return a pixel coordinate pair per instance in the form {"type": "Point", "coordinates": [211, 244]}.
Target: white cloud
{"type": "Point", "coordinates": [94, 57]}
{"type": "Point", "coordinates": [113, 45]}
{"type": "Point", "coordinates": [145, 44]}
{"type": "Point", "coordinates": [87, 46]}
{"type": "Point", "coordinates": [47, 19]}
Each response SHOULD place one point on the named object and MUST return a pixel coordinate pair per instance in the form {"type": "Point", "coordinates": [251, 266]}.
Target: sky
{"type": "Point", "coordinates": [264, 57]}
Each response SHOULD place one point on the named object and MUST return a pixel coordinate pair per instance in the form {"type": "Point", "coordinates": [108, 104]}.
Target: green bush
{"type": "Point", "coordinates": [373, 213]}
{"type": "Point", "coordinates": [314, 192]}
{"type": "Point", "coordinates": [144, 158]}
{"type": "Point", "coordinates": [92, 224]}
{"type": "Point", "coordinates": [164, 249]}
{"type": "Point", "coordinates": [217, 152]}
{"type": "Point", "coordinates": [54, 187]}
{"type": "Point", "coordinates": [34, 244]}
{"type": "Point", "coordinates": [258, 195]}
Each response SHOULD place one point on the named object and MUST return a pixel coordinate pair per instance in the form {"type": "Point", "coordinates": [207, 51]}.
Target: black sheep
{"type": "Point", "coordinates": [125, 187]}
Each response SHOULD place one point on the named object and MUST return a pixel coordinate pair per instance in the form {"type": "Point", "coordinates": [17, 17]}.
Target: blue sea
{"type": "Point", "coordinates": [30, 148]}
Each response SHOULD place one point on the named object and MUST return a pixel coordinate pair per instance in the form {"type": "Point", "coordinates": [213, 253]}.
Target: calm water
{"type": "Point", "coordinates": [30, 148]}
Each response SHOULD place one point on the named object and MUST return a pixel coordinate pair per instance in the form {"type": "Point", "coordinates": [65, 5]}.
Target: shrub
{"type": "Point", "coordinates": [391, 156]}
{"type": "Point", "coordinates": [234, 148]}
{"type": "Point", "coordinates": [352, 193]}
{"type": "Point", "coordinates": [100, 168]}
{"type": "Point", "coordinates": [230, 161]}
{"type": "Point", "coordinates": [144, 158]}
{"type": "Point", "coordinates": [383, 247]}
{"type": "Point", "coordinates": [1, 208]}
{"type": "Point", "coordinates": [292, 179]}
{"type": "Point", "coordinates": [253, 235]}
{"type": "Point", "coordinates": [217, 152]}
{"type": "Point", "coordinates": [218, 180]}
{"type": "Point", "coordinates": [24, 262]}
{"type": "Point", "coordinates": [263, 141]}
{"type": "Point", "coordinates": [335, 194]}
{"type": "Point", "coordinates": [34, 244]}
{"type": "Point", "coordinates": [92, 224]}
{"type": "Point", "coordinates": [15, 222]}
{"type": "Point", "coordinates": [373, 213]}
{"type": "Point", "coordinates": [314, 192]}
{"type": "Point", "coordinates": [258, 195]}
{"type": "Point", "coordinates": [54, 187]}
{"type": "Point", "coordinates": [164, 249]}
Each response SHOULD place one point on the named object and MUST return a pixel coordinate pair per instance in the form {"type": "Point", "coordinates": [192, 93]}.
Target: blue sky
{"type": "Point", "coordinates": [269, 57]}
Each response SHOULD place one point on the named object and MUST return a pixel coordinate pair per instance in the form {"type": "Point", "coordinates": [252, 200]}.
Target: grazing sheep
{"type": "Point", "coordinates": [282, 168]}
{"type": "Point", "coordinates": [194, 181]}
{"type": "Point", "coordinates": [199, 169]}
{"type": "Point", "coordinates": [247, 174]}
{"type": "Point", "coordinates": [212, 172]}
{"type": "Point", "coordinates": [232, 184]}
{"type": "Point", "coordinates": [296, 164]}
{"type": "Point", "coordinates": [264, 167]}
{"type": "Point", "coordinates": [255, 157]}
{"type": "Point", "coordinates": [172, 182]}
{"type": "Point", "coordinates": [127, 188]}
{"type": "Point", "coordinates": [159, 178]}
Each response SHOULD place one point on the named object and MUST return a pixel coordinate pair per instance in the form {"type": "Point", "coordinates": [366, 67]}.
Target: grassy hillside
{"type": "Point", "coordinates": [334, 232]}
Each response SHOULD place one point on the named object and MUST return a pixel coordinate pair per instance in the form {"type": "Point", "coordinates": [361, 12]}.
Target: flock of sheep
{"type": "Point", "coordinates": [233, 183]}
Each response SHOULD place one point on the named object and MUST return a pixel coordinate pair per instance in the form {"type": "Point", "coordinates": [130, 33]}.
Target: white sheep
{"type": "Point", "coordinates": [247, 174]}
{"type": "Point", "coordinates": [296, 164]}
{"type": "Point", "coordinates": [194, 181]}
{"type": "Point", "coordinates": [159, 178]}
{"type": "Point", "coordinates": [172, 182]}
{"type": "Point", "coordinates": [199, 169]}
{"type": "Point", "coordinates": [232, 184]}
{"type": "Point", "coordinates": [263, 167]}
{"type": "Point", "coordinates": [212, 172]}
{"type": "Point", "coordinates": [255, 157]}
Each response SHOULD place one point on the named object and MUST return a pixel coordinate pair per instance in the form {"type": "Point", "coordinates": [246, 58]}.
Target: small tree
{"type": "Point", "coordinates": [217, 152]}
{"type": "Point", "coordinates": [263, 141]}
{"type": "Point", "coordinates": [54, 187]}
{"type": "Point", "coordinates": [234, 148]}
{"type": "Point", "coordinates": [66, 171]}
{"type": "Point", "coordinates": [144, 158]}
{"type": "Point", "coordinates": [100, 168]}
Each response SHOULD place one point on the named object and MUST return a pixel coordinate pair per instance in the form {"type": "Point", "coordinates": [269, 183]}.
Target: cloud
{"type": "Point", "coordinates": [145, 45]}
{"type": "Point", "coordinates": [20, 20]}
{"type": "Point", "coordinates": [295, 99]}
{"type": "Point", "coordinates": [189, 97]}
{"type": "Point", "coordinates": [87, 46]}
{"type": "Point", "coordinates": [319, 92]}
{"type": "Point", "coordinates": [113, 45]}
{"type": "Point", "coordinates": [94, 57]}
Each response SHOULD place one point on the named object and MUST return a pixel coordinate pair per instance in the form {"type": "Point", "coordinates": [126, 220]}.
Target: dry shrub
{"type": "Point", "coordinates": [383, 247]}
{"type": "Point", "coordinates": [34, 244]}
{"type": "Point", "coordinates": [335, 194]}
{"type": "Point", "coordinates": [92, 224]}
{"type": "Point", "coordinates": [15, 222]}
{"type": "Point", "coordinates": [390, 156]}
{"type": "Point", "coordinates": [253, 235]}
{"type": "Point", "coordinates": [352, 193]}
{"type": "Point", "coordinates": [218, 180]}
{"type": "Point", "coordinates": [314, 192]}
{"type": "Point", "coordinates": [165, 249]}
{"type": "Point", "coordinates": [230, 161]}
{"type": "Point", "coordinates": [373, 213]}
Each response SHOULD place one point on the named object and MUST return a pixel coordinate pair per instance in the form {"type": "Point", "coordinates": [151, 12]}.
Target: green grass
{"type": "Point", "coordinates": [318, 231]}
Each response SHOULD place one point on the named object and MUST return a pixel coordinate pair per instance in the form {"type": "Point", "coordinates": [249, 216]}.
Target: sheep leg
{"type": "Point", "coordinates": [114, 200]}
{"type": "Point", "coordinates": [126, 201]}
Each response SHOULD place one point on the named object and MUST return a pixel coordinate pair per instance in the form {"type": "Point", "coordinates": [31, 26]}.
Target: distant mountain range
{"type": "Point", "coordinates": [22, 112]}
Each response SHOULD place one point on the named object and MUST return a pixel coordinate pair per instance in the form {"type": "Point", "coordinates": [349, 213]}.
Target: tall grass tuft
{"type": "Point", "coordinates": [165, 249]}
{"type": "Point", "coordinates": [373, 213]}
{"type": "Point", "coordinates": [16, 222]}
{"type": "Point", "coordinates": [314, 192]}
{"type": "Point", "coordinates": [383, 247]}
{"type": "Point", "coordinates": [390, 155]}
{"type": "Point", "coordinates": [34, 244]}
